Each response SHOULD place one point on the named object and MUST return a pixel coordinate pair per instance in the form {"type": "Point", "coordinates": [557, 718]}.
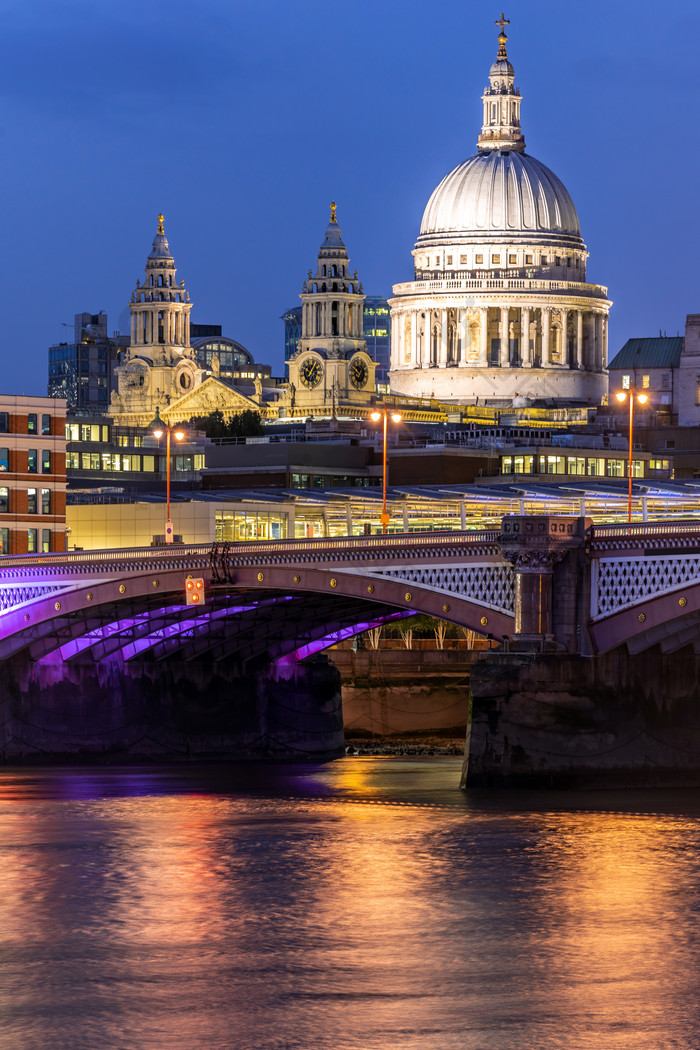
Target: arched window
{"type": "Point", "coordinates": [323, 287]}
{"type": "Point", "coordinates": [160, 280]}
{"type": "Point", "coordinates": [161, 297]}
{"type": "Point", "coordinates": [323, 269]}
{"type": "Point", "coordinates": [334, 270]}
{"type": "Point", "coordinates": [170, 280]}
{"type": "Point", "coordinates": [161, 331]}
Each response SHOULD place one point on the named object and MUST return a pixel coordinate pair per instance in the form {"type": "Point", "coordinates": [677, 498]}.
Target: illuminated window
{"type": "Point", "coordinates": [4, 541]}
{"type": "Point", "coordinates": [31, 501]}
{"type": "Point", "coordinates": [449, 260]}
{"type": "Point", "coordinates": [576, 465]}
{"type": "Point", "coordinates": [645, 382]}
{"type": "Point", "coordinates": [45, 461]}
{"type": "Point", "coordinates": [615, 468]}
{"type": "Point", "coordinates": [544, 260]}
{"type": "Point", "coordinates": [46, 540]}
{"type": "Point", "coordinates": [512, 259]}
{"type": "Point", "coordinates": [637, 468]}
{"type": "Point", "coordinates": [463, 260]}
{"type": "Point", "coordinates": [626, 382]}
{"type": "Point", "coordinates": [528, 260]}
{"type": "Point", "coordinates": [46, 424]}
{"type": "Point", "coordinates": [478, 259]}
{"type": "Point", "coordinates": [596, 467]}
{"type": "Point", "coordinates": [32, 537]}
{"type": "Point", "coordinates": [72, 432]}
{"type": "Point", "coordinates": [31, 423]}
{"type": "Point", "coordinates": [46, 501]}
{"type": "Point", "coordinates": [495, 260]}
{"type": "Point", "coordinates": [32, 461]}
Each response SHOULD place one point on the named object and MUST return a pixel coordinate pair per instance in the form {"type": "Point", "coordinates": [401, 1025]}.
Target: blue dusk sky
{"type": "Point", "coordinates": [241, 120]}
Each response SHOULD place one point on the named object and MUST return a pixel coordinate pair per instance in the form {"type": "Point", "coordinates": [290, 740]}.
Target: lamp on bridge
{"type": "Point", "coordinates": [396, 418]}
{"type": "Point", "coordinates": [622, 396]}
{"type": "Point", "coordinates": [157, 427]}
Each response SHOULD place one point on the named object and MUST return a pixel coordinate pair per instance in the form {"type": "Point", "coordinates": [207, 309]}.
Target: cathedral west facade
{"type": "Point", "coordinates": [500, 305]}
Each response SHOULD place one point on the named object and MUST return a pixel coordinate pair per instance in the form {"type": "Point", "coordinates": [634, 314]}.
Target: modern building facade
{"type": "Point", "coordinates": [500, 305]}
{"type": "Point", "coordinates": [82, 372]}
{"type": "Point", "coordinates": [33, 474]}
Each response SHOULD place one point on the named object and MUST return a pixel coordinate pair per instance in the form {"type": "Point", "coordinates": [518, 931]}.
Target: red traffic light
{"type": "Point", "coordinates": [194, 591]}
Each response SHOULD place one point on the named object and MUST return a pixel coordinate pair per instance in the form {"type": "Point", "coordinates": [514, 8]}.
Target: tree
{"type": "Point", "coordinates": [244, 424]}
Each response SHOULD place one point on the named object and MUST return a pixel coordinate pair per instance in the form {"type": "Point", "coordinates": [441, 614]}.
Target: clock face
{"type": "Point", "coordinates": [359, 373]}
{"type": "Point", "coordinates": [310, 372]}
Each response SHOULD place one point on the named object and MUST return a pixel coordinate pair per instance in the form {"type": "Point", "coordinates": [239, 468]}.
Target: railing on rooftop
{"type": "Point", "coordinates": [519, 284]}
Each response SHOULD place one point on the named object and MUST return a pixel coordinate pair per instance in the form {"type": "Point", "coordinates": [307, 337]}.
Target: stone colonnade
{"type": "Point", "coordinates": [499, 336]}
{"type": "Point", "coordinates": [318, 316]}
{"type": "Point", "coordinates": [174, 320]}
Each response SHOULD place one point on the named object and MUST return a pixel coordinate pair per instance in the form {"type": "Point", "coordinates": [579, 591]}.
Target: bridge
{"type": "Point", "coordinates": [539, 585]}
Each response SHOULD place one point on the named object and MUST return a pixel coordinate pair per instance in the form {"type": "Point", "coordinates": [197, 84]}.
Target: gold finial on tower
{"type": "Point", "coordinates": [334, 208]}
{"type": "Point", "coordinates": [161, 228]}
{"type": "Point", "coordinates": [502, 38]}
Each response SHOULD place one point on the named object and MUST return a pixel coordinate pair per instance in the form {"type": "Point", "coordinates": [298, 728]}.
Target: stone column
{"type": "Point", "coordinates": [533, 545]}
{"type": "Point", "coordinates": [564, 337]}
{"type": "Point", "coordinates": [597, 343]}
{"type": "Point", "coordinates": [546, 319]}
{"type": "Point", "coordinates": [579, 340]}
{"type": "Point", "coordinates": [504, 358]}
{"type": "Point", "coordinates": [133, 328]}
{"type": "Point", "coordinates": [483, 336]}
{"type": "Point", "coordinates": [415, 317]}
{"type": "Point", "coordinates": [525, 355]}
{"type": "Point", "coordinates": [462, 358]}
{"type": "Point", "coordinates": [442, 352]}
{"type": "Point", "coordinates": [604, 341]}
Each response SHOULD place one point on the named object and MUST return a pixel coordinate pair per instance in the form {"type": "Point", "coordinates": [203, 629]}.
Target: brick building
{"type": "Point", "coordinates": [33, 469]}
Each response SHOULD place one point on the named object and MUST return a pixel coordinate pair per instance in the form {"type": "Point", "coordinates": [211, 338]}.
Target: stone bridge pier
{"type": "Point", "coordinates": [599, 683]}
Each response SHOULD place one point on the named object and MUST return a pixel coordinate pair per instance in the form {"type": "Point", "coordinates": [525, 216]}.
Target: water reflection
{"type": "Point", "coordinates": [362, 904]}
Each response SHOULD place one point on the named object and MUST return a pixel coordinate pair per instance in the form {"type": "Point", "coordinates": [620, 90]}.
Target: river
{"type": "Point", "coordinates": [366, 903]}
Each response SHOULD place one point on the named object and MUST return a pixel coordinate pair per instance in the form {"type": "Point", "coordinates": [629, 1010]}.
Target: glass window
{"type": "Point", "coordinates": [46, 541]}
{"type": "Point", "coordinates": [478, 259]}
{"type": "Point", "coordinates": [45, 461]}
{"type": "Point", "coordinates": [512, 260]}
{"type": "Point", "coordinates": [4, 459]}
{"type": "Point", "coordinates": [32, 537]}
{"type": "Point", "coordinates": [31, 423]}
{"type": "Point", "coordinates": [615, 468]}
{"type": "Point", "coordinates": [31, 501]}
{"type": "Point", "coordinates": [596, 467]}
{"type": "Point", "coordinates": [637, 468]}
{"type": "Point", "coordinates": [665, 381]}
{"type": "Point", "coordinates": [626, 382]}
{"type": "Point", "coordinates": [4, 422]}
{"type": "Point", "coordinates": [4, 541]}
{"type": "Point", "coordinates": [72, 432]}
{"type": "Point", "coordinates": [32, 460]}
{"type": "Point", "coordinates": [4, 499]}
{"type": "Point", "coordinates": [507, 465]}
{"type": "Point", "coordinates": [46, 424]}
{"type": "Point", "coordinates": [645, 382]}
{"type": "Point", "coordinates": [555, 465]}
{"type": "Point", "coordinates": [576, 465]}
{"type": "Point", "coordinates": [73, 460]}
{"type": "Point", "coordinates": [496, 260]}
{"type": "Point", "coordinates": [523, 464]}
{"type": "Point", "coordinates": [46, 501]}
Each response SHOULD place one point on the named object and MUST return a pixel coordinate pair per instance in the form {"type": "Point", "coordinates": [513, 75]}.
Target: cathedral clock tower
{"type": "Point", "coordinates": [331, 365]}
{"type": "Point", "coordinates": [160, 367]}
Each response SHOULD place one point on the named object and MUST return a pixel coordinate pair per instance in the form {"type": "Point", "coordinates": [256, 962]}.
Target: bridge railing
{"type": "Point", "coordinates": [644, 530]}
{"type": "Point", "coordinates": [250, 548]}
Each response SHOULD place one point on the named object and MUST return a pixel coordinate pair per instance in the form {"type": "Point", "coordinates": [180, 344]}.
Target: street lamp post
{"type": "Point", "coordinates": [396, 418]}
{"type": "Point", "coordinates": [157, 427]}
{"type": "Point", "coordinates": [622, 396]}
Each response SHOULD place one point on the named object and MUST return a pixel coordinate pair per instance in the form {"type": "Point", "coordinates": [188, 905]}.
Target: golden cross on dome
{"type": "Point", "coordinates": [503, 22]}
{"type": "Point", "coordinates": [334, 207]}
{"type": "Point", "coordinates": [160, 224]}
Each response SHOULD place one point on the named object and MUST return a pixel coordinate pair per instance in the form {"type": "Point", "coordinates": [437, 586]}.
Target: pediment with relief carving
{"type": "Point", "coordinates": [211, 395]}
